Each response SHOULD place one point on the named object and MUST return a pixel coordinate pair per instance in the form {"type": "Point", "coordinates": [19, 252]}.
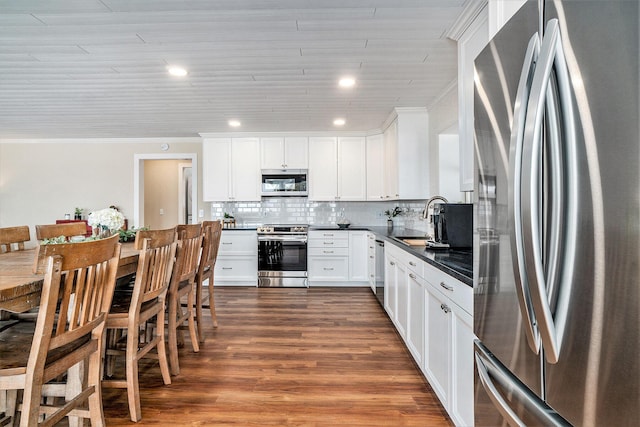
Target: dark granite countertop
{"type": "Point", "coordinates": [457, 263]}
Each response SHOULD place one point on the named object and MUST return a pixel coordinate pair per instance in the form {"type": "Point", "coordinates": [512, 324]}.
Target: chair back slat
{"type": "Point", "coordinates": [11, 237]}
{"type": "Point", "coordinates": [70, 229]}
{"type": "Point", "coordinates": [210, 244]}
{"type": "Point", "coordinates": [155, 265]}
{"type": "Point", "coordinates": [187, 253]}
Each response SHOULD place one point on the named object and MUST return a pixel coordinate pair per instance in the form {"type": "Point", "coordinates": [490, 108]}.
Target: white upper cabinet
{"type": "Point", "coordinates": [231, 169]}
{"type": "Point", "coordinates": [323, 168]}
{"type": "Point", "coordinates": [337, 168]}
{"type": "Point", "coordinates": [375, 167]}
{"type": "Point", "coordinates": [352, 171]}
{"type": "Point", "coordinates": [406, 142]}
{"type": "Point", "coordinates": [472, 37]}
{"type": "Point", "coordinates": [284, 153]}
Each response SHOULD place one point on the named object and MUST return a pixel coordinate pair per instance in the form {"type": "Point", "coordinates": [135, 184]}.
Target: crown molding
{"type": "Point", "coordinates": [470, 12]}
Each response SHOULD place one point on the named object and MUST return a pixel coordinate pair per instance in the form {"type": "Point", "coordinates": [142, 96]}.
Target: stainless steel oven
{"type": "Point", "coordinates": [282, 256]}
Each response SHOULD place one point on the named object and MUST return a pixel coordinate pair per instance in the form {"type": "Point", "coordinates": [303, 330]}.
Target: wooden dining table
{"type": "Point", "coordinates": [20, 287]}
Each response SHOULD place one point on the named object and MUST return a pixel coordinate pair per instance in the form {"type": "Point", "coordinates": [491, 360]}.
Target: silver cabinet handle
{"type": "Point", "coordinates": [545, 279]}
{"type": "Point", "coordinates": [328, 235]}
{"type": "Point", "coordinates": [328, 268]}
{"type": "Point", "coordinates": [392, 263]}
{"type": "Point", "coordinates": [227, 243]}
{"type": "Point", "coordinates": [515, 194]}
{"type": "Point", "coordinates": [327, 252]}
{"type": "Point", "coordinates": [447, 287]}
{"type": "Point", "coordinates": [411, 263]}
{"type": "Point", "coordinates": [445, 308]}
{"type": "Point", "coordinates": [371, 256]}
{"type": "Point", "coordinates": [413, 276]}
{"type": "Point", "coordinates": [328, 243]}
{"type": "Point", "coordinates": [227, 268]}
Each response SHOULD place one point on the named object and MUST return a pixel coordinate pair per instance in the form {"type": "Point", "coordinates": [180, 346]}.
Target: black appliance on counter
{"type": "Point", "coordinates": [282, 255]}
{"type": "Point", "coordinates": [453, 224]}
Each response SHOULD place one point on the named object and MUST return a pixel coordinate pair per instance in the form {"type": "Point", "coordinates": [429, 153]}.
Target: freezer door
{"type": "Point", "coordinates": [502, 397]}
{"type": "Point", "coordinates": [499, 321]}
{"type": "Point", "coordinates": [596, 380]}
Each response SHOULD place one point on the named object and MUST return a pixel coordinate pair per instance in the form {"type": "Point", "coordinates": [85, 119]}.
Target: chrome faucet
{"type": "Point", "coordinates": [425, 213]}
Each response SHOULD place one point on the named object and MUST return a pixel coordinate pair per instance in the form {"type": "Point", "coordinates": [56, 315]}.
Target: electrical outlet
{"type": "Point", "coordinates": [161, 211]}
{"type": "Point", "coordinates": [201, 213]}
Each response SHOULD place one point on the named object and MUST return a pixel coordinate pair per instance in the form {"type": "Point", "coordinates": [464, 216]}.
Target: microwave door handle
{"type": "Point", "coordinates": [515, 194]}
{"type": "Point", "coordinates": [562, 238]}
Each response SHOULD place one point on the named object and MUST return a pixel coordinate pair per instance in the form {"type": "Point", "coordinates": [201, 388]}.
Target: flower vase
{"type": "Point", "coordinates": [101, 232]}
{"type": "Point", "coordinates": [389, 224]}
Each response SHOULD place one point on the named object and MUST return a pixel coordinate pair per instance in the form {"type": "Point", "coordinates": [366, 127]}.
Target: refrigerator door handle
{"type": "Point", "coordinates": [498, 401]}
{"type": "Point", "coordinates": [563, 203]}
{"type": "Point", "coordinates": [515, 193]}
{"type": "Point", "coordinates": [493, 375]}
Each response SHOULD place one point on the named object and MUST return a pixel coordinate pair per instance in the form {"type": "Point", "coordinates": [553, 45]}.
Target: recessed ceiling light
{"type": "Point", "coordinates": [347, 82]}
{"type": "Point", "coordinates": [177, 71]}
{"type": "Point", "coordinates": [234, 123]}
{"type": "Point", "coordinates": [339, 122]}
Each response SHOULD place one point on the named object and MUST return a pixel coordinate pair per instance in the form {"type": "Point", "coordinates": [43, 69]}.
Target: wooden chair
{"type": "Point", "coordinates": [130, 312]}
{"type": "Point", "coordinates": [183, 284]}
{"type": "Point", "coordinates": [13, 237]}
{"type": "Point", "coordinates": [212, 230]}
{"type": "Point", "coordinates": [69, 229]}
{"type": "Point", "coordinates": [75, 299]}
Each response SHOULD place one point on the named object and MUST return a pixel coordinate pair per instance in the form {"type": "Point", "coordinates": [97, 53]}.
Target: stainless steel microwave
{"type": "Point", "coordinates": [284, 182]}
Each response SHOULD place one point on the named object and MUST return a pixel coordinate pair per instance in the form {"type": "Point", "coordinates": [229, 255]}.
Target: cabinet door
{"type": "Point", "coordinates": [327, 268]}
{"type": "Point", "coordinates": [438, 342]}
{"type": "Point", "coordinates": [216, 169]}
{"type": "Point", "coordinates": [358, 256]}
{"type": "Point", "coordinates": [415, 328]}
{"type": "Point", "coordinates": [323, 168]}
{"type": "Point", "coordinates": [245, 169]}
{"type": "Point", "coordinates": [272, 153]}
{"type": "Point", "coordinates": [375, 167]}
{"type": "Point", "coordinates": [461, 408]}
{"type": "Point", "coordinates": [352, 177]}
{"type": "Point", "coordinates": [402, 301]}
{"type": "Point", "coordinates": [296, 152]}
{"type": "Point", "coordinates": [391, 161]}
{"type": "Point", "coordinates": [390, 285]}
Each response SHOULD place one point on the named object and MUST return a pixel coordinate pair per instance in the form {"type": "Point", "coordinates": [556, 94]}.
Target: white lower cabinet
{"type": "Point", "coordinates": [237, 262]}
{"type": "Point", "coordinates": [337, 257]}
{"type": "Point", "coordinates": [438, 343]}
{"type": "Point", "coordinates": [432, 313]}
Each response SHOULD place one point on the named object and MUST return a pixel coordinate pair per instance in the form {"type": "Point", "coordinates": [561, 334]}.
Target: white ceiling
{"type": "Point", "coordinates": [98, 68]}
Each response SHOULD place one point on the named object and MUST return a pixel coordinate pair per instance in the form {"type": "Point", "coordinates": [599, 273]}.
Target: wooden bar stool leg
{"type": "Point", "coordinates": [173, 335]}
{"type": "Point", "coordinates": [199, 319]}
{"type": "Point", "coordinates": [133, 387]}
{"type": "Point", "coordinates": [192, 324]}
{"type": "Point", "coordinates": [162, 350]}
{"type": "Point", "coordinates": [212, 302]}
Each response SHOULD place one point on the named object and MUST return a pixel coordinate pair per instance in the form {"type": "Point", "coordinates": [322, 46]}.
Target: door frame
{"type": "Point", "coordinates": [138, 182]}
{"type": "Point", "coordinates": [181, 192]}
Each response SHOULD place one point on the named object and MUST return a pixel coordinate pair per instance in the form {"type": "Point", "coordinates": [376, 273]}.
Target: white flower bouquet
{"type": "Point", "coordinates": [108, 218]}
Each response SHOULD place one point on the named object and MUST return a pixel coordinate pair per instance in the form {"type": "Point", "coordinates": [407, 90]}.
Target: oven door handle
{"type": "Point", "coordinates": [282, 239]}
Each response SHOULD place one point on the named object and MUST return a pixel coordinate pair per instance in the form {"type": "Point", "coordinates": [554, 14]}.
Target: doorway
{"type": "Point", "coordinates": [190, 198]}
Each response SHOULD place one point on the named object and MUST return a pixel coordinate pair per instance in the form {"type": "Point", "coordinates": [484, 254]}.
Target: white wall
{"type": "Point", "coordinates": [443, 115]}
{"type": "Point", "coordinates": [41, 181]}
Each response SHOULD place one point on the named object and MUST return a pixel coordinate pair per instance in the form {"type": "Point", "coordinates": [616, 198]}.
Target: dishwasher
{"type": "Point", "coordinates": [379, 277]}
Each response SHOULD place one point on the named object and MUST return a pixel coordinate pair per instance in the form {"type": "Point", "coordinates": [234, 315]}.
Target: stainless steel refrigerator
{"type": "Point", "coordinates": [557, 214]}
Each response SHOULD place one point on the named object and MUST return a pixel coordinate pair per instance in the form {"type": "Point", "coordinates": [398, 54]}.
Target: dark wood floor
{"type": "Point", "coordinates": [290, 357]}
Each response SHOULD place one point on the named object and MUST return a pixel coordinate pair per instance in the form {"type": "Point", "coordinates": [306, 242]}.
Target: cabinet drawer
{"type": "Point", "coordinates": [328, 268]}
{"type": "Point", "coordinates": [328, 251]}
{"type": "Point", "coordinates": [236, 268]}
{"type": "Point", "coordinates": [457, 291]}
{"type": "Point", "coordinates": [328, 243]}
{"type": "Point", "coordinates": [238, 242]}
{"type": "Point", "coordinates": [414, 265]}
{"type": "Point", "coordinates": [331, 235]}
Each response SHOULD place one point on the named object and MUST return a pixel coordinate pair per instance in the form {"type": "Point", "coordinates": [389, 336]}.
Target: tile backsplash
{"type": "Point", "coordinates": [299, 210]}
